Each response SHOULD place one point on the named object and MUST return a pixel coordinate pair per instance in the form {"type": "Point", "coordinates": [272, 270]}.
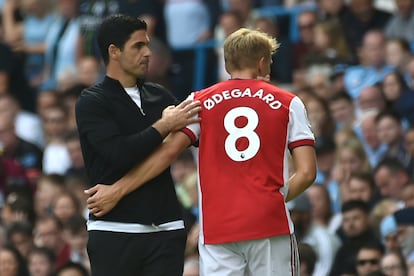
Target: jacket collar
{"type": "Point", "coordinates": [114, 83]}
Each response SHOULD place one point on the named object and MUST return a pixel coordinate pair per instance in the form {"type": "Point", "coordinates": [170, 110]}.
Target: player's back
{"type": "Point", "coordinates": [243, 159]}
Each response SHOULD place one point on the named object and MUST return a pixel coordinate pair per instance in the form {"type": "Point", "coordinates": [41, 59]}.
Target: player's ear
{"type": "Point", "coordinates": [113, 51]}
{"type": "Point", "coordinates": [260, 65]}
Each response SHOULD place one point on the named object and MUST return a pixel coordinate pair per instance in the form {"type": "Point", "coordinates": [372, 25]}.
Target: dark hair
{"type": "Point", "coordinates": [22, 269]}
{"type": "Point", "coordinates": [355, 205]}
{"type": "Point", "coordinates": [19, 227]}
{"type": "Point", "coordinates": [391, 163]}
{"type": "Point", "coordinates": [45, 251]}
{"type": "Point", "coordinates": [341, 95]}
{"type": "Point", "coordinates": [72, 265]}
{"type": "Point", "coordinates": [117, 29]}
{"type": "Point", "coordinates": [400, 79]}
{"type": "Point", "coordinates": [389, 113]}
{"type": "Point", "coordinates": [373, 245]}
{"type": "Point", "coordinates": [364, 176]}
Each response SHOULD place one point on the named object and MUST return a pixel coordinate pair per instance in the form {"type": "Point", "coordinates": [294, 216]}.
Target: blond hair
{"type": "Point", "coordinates": [244, 48]}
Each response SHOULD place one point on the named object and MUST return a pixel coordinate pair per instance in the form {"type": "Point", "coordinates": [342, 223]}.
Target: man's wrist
{"type": "Point", "coordinates": [163, 127]}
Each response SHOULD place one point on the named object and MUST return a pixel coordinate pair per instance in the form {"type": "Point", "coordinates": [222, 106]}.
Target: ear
{"type": "Point", "coordinates": [260, 65]}
{"type": "Point", "coordinates": [113, 51]}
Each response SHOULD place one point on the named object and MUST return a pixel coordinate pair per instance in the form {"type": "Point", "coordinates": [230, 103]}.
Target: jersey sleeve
{"type": "Point", "coordinates": [193, 130]}
{"type": "Point", "coordinates": [300, 131]}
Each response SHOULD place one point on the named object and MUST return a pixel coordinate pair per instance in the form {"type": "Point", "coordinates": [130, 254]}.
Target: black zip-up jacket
{"type": "Point", "coordinates": [115, 135]}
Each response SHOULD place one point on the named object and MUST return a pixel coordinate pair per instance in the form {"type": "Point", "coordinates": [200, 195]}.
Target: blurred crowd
{"type": "Point", "coordinates": [352, 64]}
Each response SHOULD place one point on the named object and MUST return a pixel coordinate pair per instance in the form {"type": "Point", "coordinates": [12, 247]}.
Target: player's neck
{"type": "Point", "coordinates": [244, 74]}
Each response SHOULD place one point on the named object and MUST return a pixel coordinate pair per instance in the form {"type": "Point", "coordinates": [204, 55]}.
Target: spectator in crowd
{"type": "Point", "coordinates": [343, 110]}
{"type": "Point", "coordinates": [321, 207]}
{"type": "Point", "coordinates": [405, 224]}
{"type": "Point", "coordinates": [368, 259]}
{"type": "Point", "coordinates": [11, 262]}
{"type": "Point", "coordinates": [318, 79]}
{"type": "Point", "coordinates": [407, 194]}
{"type": "Point", "coordinates": [361, 17]}
{"type": "Point", "coordinates": [350, 158]}
{"type": "Point", "coordinates": [65, 205]}
{"type": "Point", "coordinates": [319, 115]}
{"type": "Point", "coordinates": [77, 184]}
{"type": "Point", "coordinates": [362, 187]}
{"type": "Point", "coordinates": [281, 67]}
{"type": "Point", "coordinates": [383, 208]}
{"type": "Point", "coordinates": [388, 232]}
{"type": "Point", "coordinates": [410, 74]}
{"type": "Point", "coordinates": [391, 177]}
{"type": "Point", "coordinates": [330, 45]}
{"type": "Point", "coordinates": [73, 146]}
{"type": "Point", "coordinates": [401, 24]}
{"type": "Point", "coordinates": [398, 54]}
{"type": "Point", "coordinates": [372, 67]}
{"type": "Point", "coordinates": [28, 125]}
{"type": "Point", "coordinates": [324, 243]}
{"type": "Point", "coordinates": [330, 9]}
{"type": "Point", "coordinates": [356, 230]}
{"type": "Point", "coordinates": [307, 258]}
{"type": "Point", "coordinates": [390, 131]}
{"type": "Point", "coordinates": [76, 235]}
{"type": "Point", "coordinates": [46, 99]}
{"type": "Point", "coordinates": [18, 206]}
{"type": "Point", "coordinates": [394, 264]}
{"type": "Point", "coordinates": [27, 154]}
{"type": "Point", "coordinates": [325, 148]}
{"type": "Point", "coordinates": [47, 189]}
{"type": "Point", "coordinates": [188, 23]}
{"type": "Point", "coordinates": [409, 145]}
{"type": "Point", "coordinates": [305, 45]}
{"type": "Point", "coordinates": [91, 14]}
{"type": "Point", "coordinates": [228, 22]}
{"type": "Point", "coordinates": [68, 98]}
{"type": "Point", "coordinates": [27, 37]}
{"type": "Point", "coordinates": [399, 97]}
{"type": "Point", "coordinates": [40, 261]}
{"type": "Point", "coordinates": [160, 64]}
{"type": "Point", "coordinates": [89, 70]}
{"type": "Point", "coordinates": [373, 147]}
{"type": "Point", "coordinates": [13, 80]}
{"type": "Point", "coordinates": [72, 269]}
{"type": "Point", "coordinates": [48, 232]}
{"type": "Point", "coordinates": [63, 43]}
{"type": "Point", "coordinates": [371, 98]}
{"type": "Point", "coordinates": [20, 235]}
{"type": "Point", "coordinates": [182, 167]}
{"type": "Point", "coordinates": [152, 13]}
{"type": "Point", "coordinates": [55, 154]}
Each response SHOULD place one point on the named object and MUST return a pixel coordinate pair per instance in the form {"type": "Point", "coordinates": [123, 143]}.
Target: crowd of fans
{"type": "Point", "coordinates": [352, 65]}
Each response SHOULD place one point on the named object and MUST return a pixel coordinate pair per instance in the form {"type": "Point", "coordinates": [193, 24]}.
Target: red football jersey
{"type": "Point", "coordinates": [246, 131]}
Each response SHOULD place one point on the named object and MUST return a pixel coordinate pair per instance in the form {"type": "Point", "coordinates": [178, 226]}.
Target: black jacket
{"type": "Point", "coordinates": [115, 135]}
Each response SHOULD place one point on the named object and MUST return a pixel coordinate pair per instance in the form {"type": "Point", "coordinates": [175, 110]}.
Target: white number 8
{"type": "Point", "coordinates": [246, 131]}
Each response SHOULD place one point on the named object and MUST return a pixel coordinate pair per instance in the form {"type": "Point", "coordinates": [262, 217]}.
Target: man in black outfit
{"type": "Point", "coordinates": [120, 122]}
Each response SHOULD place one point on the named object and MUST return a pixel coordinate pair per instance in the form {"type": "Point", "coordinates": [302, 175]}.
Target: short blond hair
{"type": "Point", "coordinates": [244, 48]}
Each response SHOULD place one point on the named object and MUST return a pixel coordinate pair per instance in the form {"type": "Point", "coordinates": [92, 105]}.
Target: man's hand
{"type": "Point", "coordinates": [177, 117]}
{"type": "Point", "coordinates": [102, 199]}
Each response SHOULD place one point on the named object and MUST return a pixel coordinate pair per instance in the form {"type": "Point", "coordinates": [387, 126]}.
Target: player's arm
{"type": "Point", "coordinates": [304, 160]}
{"type": "Point", "coordinates": [104, 197]}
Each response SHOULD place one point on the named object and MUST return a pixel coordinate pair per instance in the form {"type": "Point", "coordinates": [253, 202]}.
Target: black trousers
{"type": "Point", "coordinates": [126, 254]}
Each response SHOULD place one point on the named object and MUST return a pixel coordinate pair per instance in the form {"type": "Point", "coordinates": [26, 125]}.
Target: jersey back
{"type": "Point", "coordinates": [247, 128]}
